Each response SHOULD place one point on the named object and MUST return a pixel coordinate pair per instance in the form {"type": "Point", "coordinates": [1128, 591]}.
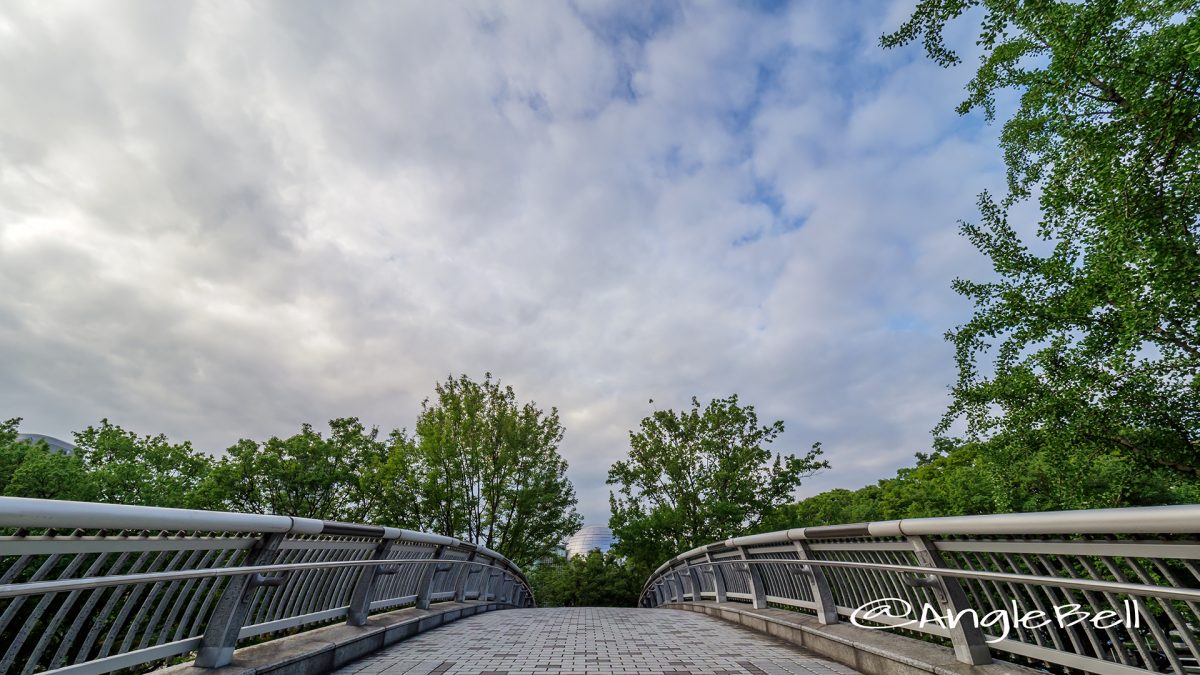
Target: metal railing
{"type": "Point", "coordinates": [1017, 582]}
{"type": "Point", "coordinates": [93, 588]}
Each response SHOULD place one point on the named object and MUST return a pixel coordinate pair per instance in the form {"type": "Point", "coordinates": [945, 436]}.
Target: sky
{"type": "Point", "coordinates": [222, 220]}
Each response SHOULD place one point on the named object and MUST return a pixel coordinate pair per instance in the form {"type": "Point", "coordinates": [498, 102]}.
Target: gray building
{"type": "Point", "coordinates": [54, 443]}
{"type": "Point", "coordinates": [589, 538]}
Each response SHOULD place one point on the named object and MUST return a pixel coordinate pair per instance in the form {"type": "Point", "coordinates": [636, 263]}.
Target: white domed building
{"type": "Point", "coordinates": [589, 538]}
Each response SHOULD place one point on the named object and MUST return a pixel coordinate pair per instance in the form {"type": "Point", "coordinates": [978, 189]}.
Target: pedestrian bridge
{"type": "Point", "coordinates": [96, 588]}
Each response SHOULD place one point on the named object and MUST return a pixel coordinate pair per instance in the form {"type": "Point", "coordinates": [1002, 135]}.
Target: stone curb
{"type": "Point", "coordinates": [323, 649]}
{"type": "Point", "coordinates": [867, 651]}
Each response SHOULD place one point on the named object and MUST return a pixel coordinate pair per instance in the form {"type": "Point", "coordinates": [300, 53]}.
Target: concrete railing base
{"type": "Point", "coordinates": [867, 651]}
{"type": "Point", "coordinates": [323, 649]}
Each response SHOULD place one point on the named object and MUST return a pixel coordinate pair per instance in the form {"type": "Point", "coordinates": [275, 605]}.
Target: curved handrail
{"type": "Point", "coordinates": [88, 587]}
{"type": "Point", "coordinates": [1179, 519]}
{"type": "Point", "coordinates": [1141, 563]}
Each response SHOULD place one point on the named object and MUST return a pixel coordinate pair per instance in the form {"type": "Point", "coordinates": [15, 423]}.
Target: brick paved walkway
{"type": "Point", "coordinates": [592, 640]}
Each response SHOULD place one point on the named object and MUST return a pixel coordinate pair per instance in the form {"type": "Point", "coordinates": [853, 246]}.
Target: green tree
{"type": "Point", "coordinates": [594, 580]}
{"type": "Point", "coordinates": [834, 507]}
{"type": "Point", "coordinates": [698, 476]}
{"type": "Point", "coordinates": [147, 470]}
{"type": "Point", "coordinates": [400, 481]}
{"type": "Point", "coordinates": [1087, 348]}
{"type": "Point", "coordinates": [306, 475]}
{"type": "Point", "coordinates": [1009, 472]}
{"type": "Point", "coordinates": [12, 450]}
{"type": "Point", "coordinates": [482, 467]}
{"type": "Point", "coordinates": [34, 469]}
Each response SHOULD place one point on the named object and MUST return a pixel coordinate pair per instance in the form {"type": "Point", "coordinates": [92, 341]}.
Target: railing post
{"type": "Point", "coordinates": [364, 587]}
{"type": "Point", "coordinates": [676, 587]}
{"type": "Point", "coordinates": [718, 578]}
{"type": "Point", "coordinates": [697, 588]}
{"type": "Point", "coordinates": [967, 638]}
{"type": "Point", "coordinates": [819, 585]}
{"type": "Point", "coordinates": [464, 574]}
{"type": "Point", "coordinates": [425, 585]}
{"type": "Point", "coordinates": [496, 587]}
{"type": "Point", "coordinates": [221, 633]}
{"type": "Point", "coordinates": [486, 594]}
{"type": "Point", "coordinates": [757, 589]}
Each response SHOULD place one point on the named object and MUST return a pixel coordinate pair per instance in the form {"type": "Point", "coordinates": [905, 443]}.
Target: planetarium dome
{"type": "Point", "coordinates": [589, 538]}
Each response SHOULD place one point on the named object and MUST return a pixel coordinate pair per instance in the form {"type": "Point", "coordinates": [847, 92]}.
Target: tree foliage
{"type": "Point", "coordinates": [594, 580]}
{"type": "Point", "coordinates": [700, 475]}
{"type": "Point", "coordinates": [1088, 343]}
{"type": "Point", "coordinates": [306, 474]}
{"type": "Point", "coordinates": [1008, 473]}
{"type": "Point", "coordinates": [485, 468]}
{"type": "Point", "coordinates": [125, 468]}
{"type": "Point", "coordinates": [480, 466]}
{"type": "Point", "coordinates": [33, 469]}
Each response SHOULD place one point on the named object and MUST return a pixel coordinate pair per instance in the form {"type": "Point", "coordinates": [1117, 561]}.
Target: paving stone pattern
{"type": "Point", "coordinates": [592, 640]}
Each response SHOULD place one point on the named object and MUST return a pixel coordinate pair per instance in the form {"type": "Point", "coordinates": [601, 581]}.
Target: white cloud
{"type": "Point", "coordinates": [220, 221]}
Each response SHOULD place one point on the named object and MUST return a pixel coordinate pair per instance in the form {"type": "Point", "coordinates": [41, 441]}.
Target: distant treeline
{"type": "Point", "coordinates": [479, 466]}
{"type": "Point", "coordinates": [1007, 474]}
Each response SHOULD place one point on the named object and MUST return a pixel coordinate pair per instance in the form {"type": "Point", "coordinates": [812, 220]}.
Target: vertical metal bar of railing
{"type": "Point", "coordinates": [965, 636]}
{"type": "Point", "coordinates": [694, 574]}
{"type": "Point", "coordinates": [758, 592]}
{"type": "Point", "coordinates": [464, 575]}
{"type": "Point", "coordinates": [221, 633]}
{"type": "Point", "coordinates": [428, 572]}
{"type": "Point", "coordinates": [485, 594]}
{"type": "Point", "coordinates": [818, 585]}
{"type": "Point", "coordinates": [718, 577]}
{"type": "Point", "coordinates": [364, 587]}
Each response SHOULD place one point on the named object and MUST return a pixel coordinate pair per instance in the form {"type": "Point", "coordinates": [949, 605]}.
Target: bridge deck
{"type": "Point", "coordinates": [592, 640]}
